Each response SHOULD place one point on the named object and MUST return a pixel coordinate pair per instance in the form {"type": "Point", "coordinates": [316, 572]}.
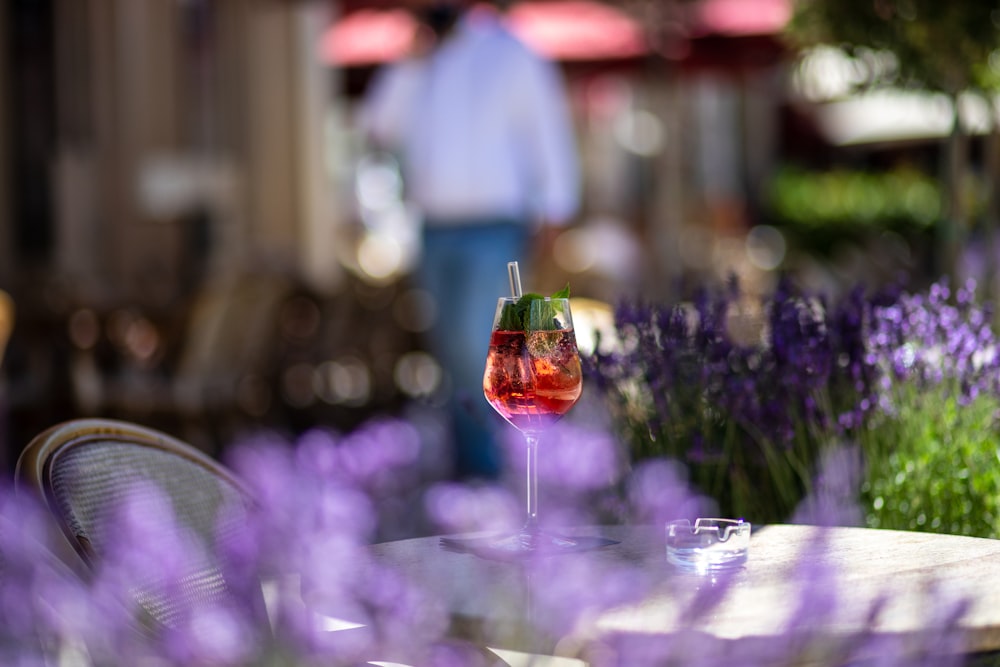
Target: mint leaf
{"type": "Point", "coordinates": [509, 319]}
{"type": "Point", "coordinates": [523, 309]}
{"type": "Point", "coordinates": [514, 316]}
{"type": "Point", "coordinates": [517, 316]}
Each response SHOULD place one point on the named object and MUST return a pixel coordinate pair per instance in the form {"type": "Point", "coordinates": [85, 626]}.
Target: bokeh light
{"type": "Point", "coordinates": [640, 132]}
{"type": "Point", "coordinates": [379, 184]}
{"type": "Point", "coordinates": [765, 247]}
{"type": "Point", "coordinates": [417, 374]}
{"type": "Point", "coordinates": [380, 256]}
{"type": "Point", "coordinates": [593, 324]}
{"type": "Point", "coordinates": [84, 328]}
{"type": "Point", "coordinates": [254, 395]}
{"type": "Point", "coordinates": [298, 385]}
{"type": "Point", "coordinates": [345, 381]}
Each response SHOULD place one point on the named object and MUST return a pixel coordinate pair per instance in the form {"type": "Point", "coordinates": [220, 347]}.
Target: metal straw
{"type": "Point", "coordinates": [515, 279]}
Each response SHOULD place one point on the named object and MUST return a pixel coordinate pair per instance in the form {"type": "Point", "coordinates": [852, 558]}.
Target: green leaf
{"type": "Point", "coordinates": [509, 320]}
{"type": "Point", "coordinates": [516, 316]}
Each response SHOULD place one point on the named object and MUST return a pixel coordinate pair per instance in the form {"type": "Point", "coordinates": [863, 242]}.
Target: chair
{"type": "Point", "coordinates": [83, 469]}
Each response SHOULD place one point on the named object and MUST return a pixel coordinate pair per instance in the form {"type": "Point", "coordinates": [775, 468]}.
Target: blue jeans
{"type": "Point", "coordinates": [464, 268]}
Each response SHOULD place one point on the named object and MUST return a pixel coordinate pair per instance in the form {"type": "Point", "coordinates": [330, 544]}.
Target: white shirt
{"type": "Point", "coordinates": [482, 127]}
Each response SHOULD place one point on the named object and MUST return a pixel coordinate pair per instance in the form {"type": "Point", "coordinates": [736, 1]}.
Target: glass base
{"type": "Point", "coordinates": [523, 544]}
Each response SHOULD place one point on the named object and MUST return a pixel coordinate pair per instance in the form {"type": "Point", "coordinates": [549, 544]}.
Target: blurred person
{"type": "Point", "coordinates": [483, 131]}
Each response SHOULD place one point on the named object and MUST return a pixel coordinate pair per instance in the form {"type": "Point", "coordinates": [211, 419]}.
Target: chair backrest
{"type": "Point", "coordinates": [84, 469]}
{"type": "Point", "coordinates": [231, 335]}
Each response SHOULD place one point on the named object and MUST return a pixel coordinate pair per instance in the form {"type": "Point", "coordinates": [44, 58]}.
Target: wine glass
{"type": "Point", "coordinates": [532, 378]}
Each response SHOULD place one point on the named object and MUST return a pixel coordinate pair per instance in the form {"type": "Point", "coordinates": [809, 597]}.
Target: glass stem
{"type": "Point", "coordinates": [531, 489]}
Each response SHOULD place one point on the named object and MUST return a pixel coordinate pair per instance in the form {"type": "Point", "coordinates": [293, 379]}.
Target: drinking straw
{"type": "Point", "coordinates": [515, 279]}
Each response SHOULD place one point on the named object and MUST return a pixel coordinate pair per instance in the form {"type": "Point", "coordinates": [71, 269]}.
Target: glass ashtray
{"type": "Point", "coordinates": [708, 545]}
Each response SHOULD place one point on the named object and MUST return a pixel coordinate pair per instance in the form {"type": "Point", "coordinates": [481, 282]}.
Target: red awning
{"type": "Point", "coordinates": [739, 17]}
{"type": "Point", "coordinates": [578, 30]}
{"type": "Point", "coordinates": [565, 30]}
{"type": "Point", "coordinates": [368, 37]}
{"type": "Point", "coordinates": [568, 30]}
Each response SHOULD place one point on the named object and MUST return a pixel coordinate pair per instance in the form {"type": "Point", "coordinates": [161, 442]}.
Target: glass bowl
{"type": "Point", "coordinates": [708, 545]}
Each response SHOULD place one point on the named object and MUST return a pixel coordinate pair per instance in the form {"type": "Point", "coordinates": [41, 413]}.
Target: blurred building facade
{"type": "Point", "coordinates": [154, 140]}
{"type": "Point", "coordinates": [164, 157]}
{"type": "Point", "coordinates": [156, 153]}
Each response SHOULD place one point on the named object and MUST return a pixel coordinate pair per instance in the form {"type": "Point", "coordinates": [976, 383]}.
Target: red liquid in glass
{"type": "Point", "coordinates": [532, 379]}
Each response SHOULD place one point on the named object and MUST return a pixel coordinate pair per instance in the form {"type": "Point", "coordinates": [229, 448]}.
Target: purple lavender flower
{"type": "Point", "coordinates": [751, 417]}
{"type": "Point", "coordinates": [305, 541]}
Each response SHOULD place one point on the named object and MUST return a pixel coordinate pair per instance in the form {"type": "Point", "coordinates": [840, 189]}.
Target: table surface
{"type": "Point", "coordinates": [908, 578]}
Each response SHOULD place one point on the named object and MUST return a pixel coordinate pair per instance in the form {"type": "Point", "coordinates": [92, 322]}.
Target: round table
{"type": "Point", "coordinates": [867, 586]}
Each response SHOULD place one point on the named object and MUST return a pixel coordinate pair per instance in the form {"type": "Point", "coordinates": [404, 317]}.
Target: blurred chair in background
{"type": "Point", "coordinates": [198, 380]}
{"type": "Point", "coordinates": [229, 346]}
{"type": "Point", "coordinates": [6, 329]}
{"type": "Point", "coordinates": [6, 321]}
